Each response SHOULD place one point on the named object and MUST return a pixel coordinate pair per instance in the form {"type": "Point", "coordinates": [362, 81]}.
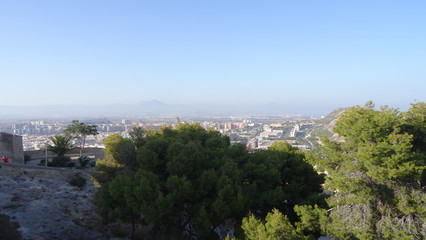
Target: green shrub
{"type": "Point", "coordinates": [84, 161]}
{"type": "Point", "coordinates": [92, 164]}
{"type": "Point", "coordinates": [78, 181]}
{"type": "Point", "coordinates": [59, 161]}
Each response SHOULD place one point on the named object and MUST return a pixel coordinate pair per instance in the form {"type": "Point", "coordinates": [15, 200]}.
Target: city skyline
{"type": "Point", "coordinates": [275, 57]}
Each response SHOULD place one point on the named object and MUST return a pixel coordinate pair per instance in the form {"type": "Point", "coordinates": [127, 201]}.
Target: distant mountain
{"type": "Point", "coordinates": [144, 108]}
{"type": "Point", "coordinates": [152, 108]}
{"type": "Point", "coordinates": [330, 120]}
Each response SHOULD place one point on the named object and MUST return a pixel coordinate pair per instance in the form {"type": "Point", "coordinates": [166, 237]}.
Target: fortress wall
{"type": "Point", "coordinates": [18, 149]}
{"type": "Point", "coordinates": [16, 170]}
{"type": "Point", "coordinates": [11, 146]}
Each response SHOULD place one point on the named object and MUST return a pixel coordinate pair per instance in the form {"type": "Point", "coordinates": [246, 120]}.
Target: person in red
{"type": "Point", "coordinates": [5, 159]}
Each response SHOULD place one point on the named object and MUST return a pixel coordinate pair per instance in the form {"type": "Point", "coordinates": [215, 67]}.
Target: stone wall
{"type": "Point", "coordinates": [11, 146]}
{"type": "Point", "coordinates": [96, 153]}
{"type": "Point", "coordinates": [16, 170]}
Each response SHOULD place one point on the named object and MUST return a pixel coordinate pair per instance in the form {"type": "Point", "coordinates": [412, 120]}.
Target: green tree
{"type": "Point", "coordinates": [377, 174]}
{"type": "Point", "coordinates": [177, 178]}
{"type": "Point", "coordinates": [113, 203]}
{"type": "Point", "coordinates": [313, 220]}
{"type": "Point", "coordinates": [109, 167]}
{"type": "Point", "coordinates": [188, 181]}
{"type": "Point", "coordinates": [276, 227]}
{"type": "Point", "coordinates": [79, 132]}
{"type": "Point", "coordinates": [280, 178]}
{"type": "Point", "coordinates": [60, 145]}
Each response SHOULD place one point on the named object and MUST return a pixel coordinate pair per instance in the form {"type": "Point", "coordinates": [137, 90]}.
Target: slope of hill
{"type": "Point", "coordinates": [51, 209]}
{"type": "Point", "coordinates": [324, 127]}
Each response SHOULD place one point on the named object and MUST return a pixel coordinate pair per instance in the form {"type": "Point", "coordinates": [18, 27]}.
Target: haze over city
{"type": "Point", "coordinates": [211, 57]}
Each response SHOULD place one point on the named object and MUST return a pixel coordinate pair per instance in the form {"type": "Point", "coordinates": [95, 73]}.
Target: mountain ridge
{"type": "Point", "coordinates": [153, 108]}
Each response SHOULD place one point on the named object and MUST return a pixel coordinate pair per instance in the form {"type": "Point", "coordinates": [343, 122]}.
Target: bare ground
{"type": "Point", "coordinates": [48, 209]}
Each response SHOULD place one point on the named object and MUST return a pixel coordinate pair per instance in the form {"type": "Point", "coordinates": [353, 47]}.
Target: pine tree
{"type": "Point", "coordinates": [377, 174]}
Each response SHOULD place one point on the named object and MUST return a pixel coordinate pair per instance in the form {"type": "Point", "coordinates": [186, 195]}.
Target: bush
{"type": "Point", "coordinates": [92, 164]}
{"type": "Point", "coordinates": [78, 181]}
{"type": "Point", "coordinates": [8, 230]}
{"type": "Point", "coordinates": [59, 161]}
{"type": "Point", "coordinates": [27, 158]}
{"type": "Point", "coordinates": [84, 161]}
{"type": "Point", "coordinates": [71, 165]}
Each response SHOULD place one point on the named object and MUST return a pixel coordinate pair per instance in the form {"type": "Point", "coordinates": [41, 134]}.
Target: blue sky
{"type": "Point", "coordinates": [307, 54]}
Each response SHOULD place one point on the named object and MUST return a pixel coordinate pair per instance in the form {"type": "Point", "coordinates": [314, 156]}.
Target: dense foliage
{"type": "Point", "coordinates": [188, 181]}
{"type": "Point", "coordinates": [377, 174]}
{"type": "Point", "coordinates": [276, 226]}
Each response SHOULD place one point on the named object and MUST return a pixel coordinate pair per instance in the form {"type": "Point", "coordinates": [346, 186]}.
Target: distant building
{"type": "Point", "coordinates": [252, 144]}
{"type": "Point", "coordinates": [302, 147]}
{"type": "Point", "coordinates": [272, 134]}
{"type": "Point", "coordinates": [291, 142]}
{"type": "Point", "coordinates": [115, 128]}
{"type": "Point", "coordinates": [12, 147]}
{"type": "Point", "coordinates": [295, 130]}
{"type": "Point", "coordinates": [227, 126]}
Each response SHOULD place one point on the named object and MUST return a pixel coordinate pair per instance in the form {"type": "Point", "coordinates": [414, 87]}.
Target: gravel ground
{"type": "Point", "coordinates": [50, 209]}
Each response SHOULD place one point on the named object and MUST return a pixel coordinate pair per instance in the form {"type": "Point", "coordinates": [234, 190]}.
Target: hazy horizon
{"type": "Point", "coordinates": [157, 108]}
{"type": "Point", "coordinates": [275, 56]}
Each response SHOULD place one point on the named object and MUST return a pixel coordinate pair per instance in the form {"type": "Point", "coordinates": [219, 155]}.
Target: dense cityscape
{"type": "Point", "coordinates": [257, 132]}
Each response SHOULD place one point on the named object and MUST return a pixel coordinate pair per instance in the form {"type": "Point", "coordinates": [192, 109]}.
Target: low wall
{"type": "Point", "coordinates": [16, 170]}
{"type": "Point", "coordinates": [96, 153]}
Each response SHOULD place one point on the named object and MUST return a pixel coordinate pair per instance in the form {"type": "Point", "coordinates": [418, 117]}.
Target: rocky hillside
{"type": "Point", "coordinates": [50, 209]}
{"type": "Point", "coordinates": [324, 127]}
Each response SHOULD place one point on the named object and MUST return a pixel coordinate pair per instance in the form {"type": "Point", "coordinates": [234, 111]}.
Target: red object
{"type": "Point", "coordinates": [5, 159]}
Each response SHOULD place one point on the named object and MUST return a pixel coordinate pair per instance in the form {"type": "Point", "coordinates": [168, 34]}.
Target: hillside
{"type": "Point", "coordinates": [50, 209]}
{"type": "Point", "coordinates": [324, 127]}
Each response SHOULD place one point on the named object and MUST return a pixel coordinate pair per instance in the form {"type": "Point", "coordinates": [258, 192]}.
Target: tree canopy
{"type": "Point", "coordinates": [377, 174]}
{"type": "Point", "coordinates": [188, 181]}
{"type": "Point", "coordinates": [79, 132]}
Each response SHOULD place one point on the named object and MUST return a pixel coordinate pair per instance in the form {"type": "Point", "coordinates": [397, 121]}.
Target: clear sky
{"type": "Point", "coordinates": [324, 54]}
